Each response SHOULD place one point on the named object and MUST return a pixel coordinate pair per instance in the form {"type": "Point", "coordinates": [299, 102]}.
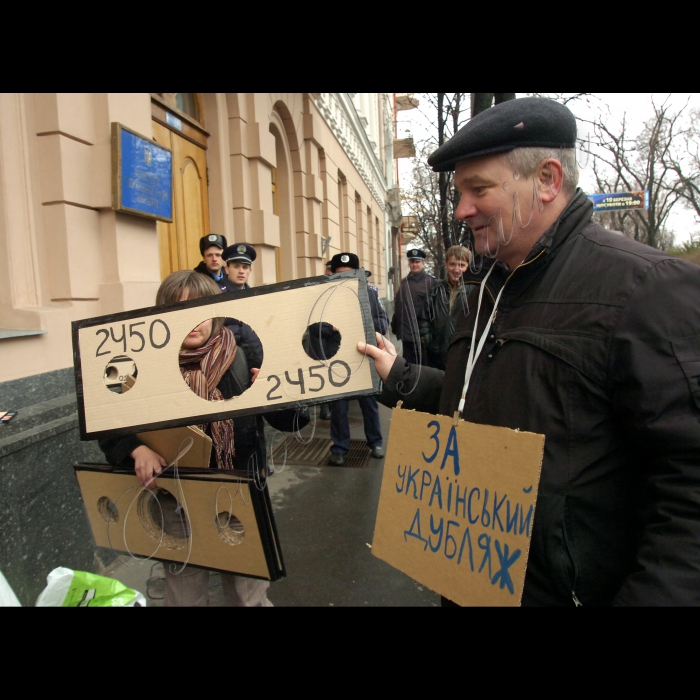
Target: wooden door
{"type": "Point", "coordinates": [179, 241]}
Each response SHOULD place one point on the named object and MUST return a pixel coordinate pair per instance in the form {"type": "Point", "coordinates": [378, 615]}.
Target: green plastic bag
{"type": "Point", "coordinates": [79, 589]}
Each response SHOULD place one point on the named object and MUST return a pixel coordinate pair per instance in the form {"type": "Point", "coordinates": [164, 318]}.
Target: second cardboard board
{"type": "Point", "coordinates": [127, 365]}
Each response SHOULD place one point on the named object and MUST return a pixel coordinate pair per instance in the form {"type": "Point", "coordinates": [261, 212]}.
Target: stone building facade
{"type": "Point", "coordinates": [299, 176]}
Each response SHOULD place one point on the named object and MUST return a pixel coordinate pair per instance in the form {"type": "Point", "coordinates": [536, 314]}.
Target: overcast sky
{"type": "Point", "coordinates": [637, 107]}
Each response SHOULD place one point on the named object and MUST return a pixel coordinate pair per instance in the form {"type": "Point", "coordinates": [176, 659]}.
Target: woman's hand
{"type": "Point", "coordinates": [384, 356]}
{"type": "Point", "coordinates": [148, 464]}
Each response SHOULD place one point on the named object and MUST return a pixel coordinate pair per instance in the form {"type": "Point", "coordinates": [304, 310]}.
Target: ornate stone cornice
{"type": "Point", "coordinates": [339, 113]}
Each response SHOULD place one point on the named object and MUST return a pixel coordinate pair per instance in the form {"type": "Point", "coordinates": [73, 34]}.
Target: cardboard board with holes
{"type": "Point", "coordinates": [209, 519]}
{"type": "Point", "coordinates": [127, 370]}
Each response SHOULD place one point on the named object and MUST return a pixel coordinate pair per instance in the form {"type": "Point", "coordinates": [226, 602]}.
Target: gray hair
{"type": "Point", "coordinates": [525, 161]}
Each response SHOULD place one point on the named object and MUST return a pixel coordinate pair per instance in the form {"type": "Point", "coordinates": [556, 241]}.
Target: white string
{"type": "Point", "coordinates": [474, 351]}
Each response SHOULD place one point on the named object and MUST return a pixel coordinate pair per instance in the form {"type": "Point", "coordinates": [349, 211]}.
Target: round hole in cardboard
{"type": "Point", "coordinates": [107, 510]}
{"type": "Point", "coordinates": [321, 341]}
{"type": "Point", "coordinates": [230, 528]}
{"type": "Point", "coordinates": [238, 378]}
{"type": "Point", "coordinates": [163, 518]}
{"type": "Point", "coordinates": [120, 374]}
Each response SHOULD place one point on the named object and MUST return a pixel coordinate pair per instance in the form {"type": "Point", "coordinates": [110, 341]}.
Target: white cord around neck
{"type": "Point", "coordinates": [475, 351]}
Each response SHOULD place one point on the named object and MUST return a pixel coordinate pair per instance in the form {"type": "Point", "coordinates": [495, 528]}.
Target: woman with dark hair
{"type": "Point", "coordinates": [215, 368]}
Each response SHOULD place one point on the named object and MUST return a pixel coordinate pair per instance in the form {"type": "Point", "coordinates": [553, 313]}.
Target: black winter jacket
{"type": "Point", "coordinates": [408, 304]}
{"type": "Point", "coordinates": [596, 344]}
{"type": "Point", "coordinates": [437, 322]}
{"type": "Point", "coordinates": [225, 284]}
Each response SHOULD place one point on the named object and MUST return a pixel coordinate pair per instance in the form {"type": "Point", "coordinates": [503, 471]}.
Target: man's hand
{"type": "Point", "coordinates": [384, 356]}
{"type": "Point", "coordinates": [148, 464]}
{"type": "Point", "coordinates": [254, 372]}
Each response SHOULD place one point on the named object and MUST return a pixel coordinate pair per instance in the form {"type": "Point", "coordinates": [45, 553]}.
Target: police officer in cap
{"type": "Point", "coordinates": [340, 427]}
{"type": "Point", "coordinates": [409, 301]}
{"type": "Point", "coordinates": [211, 247]}
{"type": "Point", "coordinates": [239, 259]}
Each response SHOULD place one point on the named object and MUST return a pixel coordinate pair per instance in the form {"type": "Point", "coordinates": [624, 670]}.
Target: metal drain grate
{"type": "Point", "coordinates": [358, 455]}
{"type": "Point", "coordinates": [351, 419]}
{"type": "Point", "coordinates": [316, 453]}
{"type": "Point", "coordinates": [306, 454]}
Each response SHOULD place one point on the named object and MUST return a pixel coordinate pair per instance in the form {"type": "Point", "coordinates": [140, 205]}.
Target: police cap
{"type": "Point", "coordinates": [345, 260]}
{"type": "Point", "coordinates": [524, 122]}
{"type": "Point", "coordinates": [210, 240]}
{"type": "Point", "coordinates": [240, 252]}
{"type": "Point", "coordinates": [415, 254]}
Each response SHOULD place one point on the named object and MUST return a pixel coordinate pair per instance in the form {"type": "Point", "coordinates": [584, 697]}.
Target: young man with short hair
{"type": "Point", "coordinates": [239, 259]}
{"type": "Point", "coordinates": [212, 247]}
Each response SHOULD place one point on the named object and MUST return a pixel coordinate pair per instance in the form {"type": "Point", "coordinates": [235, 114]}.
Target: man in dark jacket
{"type": "Point", "coordinates": [445, 303]}
{"type": "Point", "coordinates": [589, 338]}
{"type": "Point", "coordinates": [340, 426]}
{"type": "Point", "coordinates": [408, 305]}
{"type": "Point", "coordinates": [213, 265]}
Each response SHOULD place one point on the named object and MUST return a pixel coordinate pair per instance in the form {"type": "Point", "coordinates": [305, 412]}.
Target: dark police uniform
{"type": "Point", "coordinates": [340, 426]}
{"type": "Point", "coordinates": [409, 301]}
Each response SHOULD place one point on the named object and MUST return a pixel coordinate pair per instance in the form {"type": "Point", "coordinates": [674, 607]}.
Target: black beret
{"type": "Point", "coordinates": [345, 260]}
{"type": "Point", "coordinates": [210, 240]}
{"type": "Point", "coordinates": [528, 121]}
{"type": "Point", "coordinates": [240, 252]}
{"type": "Point", "coordinates": [415, 254]}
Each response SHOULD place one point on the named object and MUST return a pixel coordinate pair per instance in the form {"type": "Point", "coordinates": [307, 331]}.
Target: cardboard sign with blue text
{"type": "Point", "coordinates": [457, 506]}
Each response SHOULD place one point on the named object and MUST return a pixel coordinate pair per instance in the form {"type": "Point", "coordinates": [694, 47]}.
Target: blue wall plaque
{"type": "Point", "coordinates": [144, 175]}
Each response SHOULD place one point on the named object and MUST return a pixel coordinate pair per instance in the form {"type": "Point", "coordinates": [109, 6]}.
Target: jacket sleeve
{"type": "Point", "coordinates": [379, 317]}
{"type": "Point", "coordinates": [654, 368]}
{"type": "Point", "coordinates": [396, 317]}
{"type": "Point", "coordinates": [117, 450]}
{"type": "Point", "coordinates": [425, 318]}
{"type": "Point", "coordinates": [248, 339]}
{"type": "Point", "coordinates": [289, 420]}
{"type": "Point", "coordinates": [417, 386]}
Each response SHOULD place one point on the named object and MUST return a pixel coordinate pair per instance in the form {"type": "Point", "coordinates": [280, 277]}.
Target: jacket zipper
{"type": "Point", "coordinates": [577, 602]}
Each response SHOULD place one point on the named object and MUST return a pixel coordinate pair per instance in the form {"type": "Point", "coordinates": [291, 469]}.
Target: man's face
{"type": "Point", "coordinates": [501, 210]}
{"type": "Point", "coordinates": [456, 268]}
{"type": "Point", "coordinates": [212, 258]}
{"type": "Point", "coordinates": [343, 269]}
{"type": "Point", "coordinates": [238, 273]}
{"type": "Point", "coordinates": [416, 265]}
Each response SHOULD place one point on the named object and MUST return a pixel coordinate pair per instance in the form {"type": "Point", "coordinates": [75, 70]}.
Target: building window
{"type": "Point", "coordinates": [186, 102]}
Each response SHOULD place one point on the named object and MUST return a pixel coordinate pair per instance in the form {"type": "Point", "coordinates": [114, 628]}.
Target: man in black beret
{"type": "Point", "coordinates": [211, 247]}
{"type": "Point", "coordinates": [340, 426]}
{"type": "Point", "coordinates": [408, 305]}
{"type": "Point", "coordinates": [582, 335]}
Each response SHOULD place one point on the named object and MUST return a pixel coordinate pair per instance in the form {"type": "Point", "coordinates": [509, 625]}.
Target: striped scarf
{"type": "Point", "coordinates": [202, 369]}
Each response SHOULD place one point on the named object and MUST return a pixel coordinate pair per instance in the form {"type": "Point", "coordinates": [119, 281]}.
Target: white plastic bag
{"type": "Point", "coordinates": [8, 599]}
{"type": "Point", "coordinates": [78, 589]}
